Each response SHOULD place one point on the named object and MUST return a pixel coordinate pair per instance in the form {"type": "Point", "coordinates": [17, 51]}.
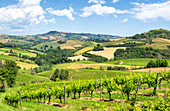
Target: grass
{"type": "Point", "coordinates": [85, 74]}
{"type": "Point", "coordinates": [53, 44]}
{"type": "Point", "coordinates": [138, 62]}
{"type": "Point", "coordinates": [24, 76]}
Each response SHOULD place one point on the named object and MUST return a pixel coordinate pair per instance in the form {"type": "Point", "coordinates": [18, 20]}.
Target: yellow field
{"type": "Point", "coordinates": [158, 69]}
{"type": "Point", "coordinates": [19, 51]}
{"type": "Point", "coordinates": [26, 65]}
{"type": "Point", "coordinates": [93, 65]}
{"type": "Point", "coordinates": [83, 50]}
{"type": "Point", "coordinates": [107, 52]}
{"type": "Point", "coordinates": [159, 43]}
{"type": "Point", "coordinates": [78, 57]}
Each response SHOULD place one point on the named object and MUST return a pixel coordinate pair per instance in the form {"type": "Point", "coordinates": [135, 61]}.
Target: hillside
{"type": "Point", "coordinates": [53, 36]}
{"type": "Point", "coordinates": [158, 33]}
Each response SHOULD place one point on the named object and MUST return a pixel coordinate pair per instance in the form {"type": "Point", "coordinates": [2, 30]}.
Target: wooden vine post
{"type": "Point", "coordinates": [150, 72]}
{"type": "Point", "coordinates": [155, 89]}
{"type": "Point", "coordinates": [48, 95]}
{"type": "Point", "coordinates": [96, 84]}
{"type": "Point", "coordinates": [64, 94]}
{"type": "Point", "coordinates": [137, 88]}
{"type": "Point", "coordinates": [100, 88]}
{"type": "Point", "coordinates": [20, 99]}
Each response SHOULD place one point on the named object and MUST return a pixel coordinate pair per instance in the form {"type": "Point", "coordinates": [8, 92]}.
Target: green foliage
{"type": "Point", "coordinates": [2, 84]}
{"type": "Point", "coordinates": [158, 105]}
{"type": "Point", "coordinates": [9, 72]}
{"type": "Point", "coordinates": [148, 52]}
{"type": "Point", "coordinates": [54, 56]}
{"type": "Point", "coordinates": [94, 58]}
{"type": "Point", "coordinates": [157, 63]}
{"type": "Point", "coordinates": [61, 41]}
{"type": "Point", "coordinates": [153, 34]}
{"type": "Point", "coordinates": [126, 44]}
{"type": "Point", "coordinates": [116, 68]}
{"type": "Point", "coordinates": [98, 48]}
{"type": "Point", "coordinates": [62, 75]}
{"type": "Point", "coordinates": [55, 75]}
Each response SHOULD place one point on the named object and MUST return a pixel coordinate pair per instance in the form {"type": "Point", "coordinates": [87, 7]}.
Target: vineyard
{"type": "Point", "coordinates": [132, 89]}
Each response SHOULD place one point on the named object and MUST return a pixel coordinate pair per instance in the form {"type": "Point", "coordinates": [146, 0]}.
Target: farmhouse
{"type": "Point", "coordinates": [120, 62]}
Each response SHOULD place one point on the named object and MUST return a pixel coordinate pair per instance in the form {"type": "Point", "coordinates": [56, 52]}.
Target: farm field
{"type": "Point", "coordinates": [27, 64]}
{"type": "Point", "coordinates": [91, 83]}
{"type": "Point", "coordinates": [158, 43]}
{"type": "Point", "coordinates": [137, 62]}
{"type": "Point", "coordinates": [86, 101]}
{"type": "Point", "coordinates": [83, 64]}
{"type": "Point", "coordinates": [16, 50]}
{"type": "Point", "coordinates": [81, 51]}
{"type": "Point", "coordinates": [107, 52]}
{"type": "Point", "coordinates": [157, 69]}
{"type": "Point", "coordinates": [119, 41]}
{"type": "Point", "coordinates": [53, 44]}
{"type": "Point", "coordinates": [80, 57]}
{"type": "Point", "coordinates": [72, 44]}
{"type": "Point", "coordinates": [25, 77]}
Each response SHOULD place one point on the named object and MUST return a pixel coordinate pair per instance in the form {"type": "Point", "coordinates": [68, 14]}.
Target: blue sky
{"type": "Point", "coordinates": [116, 17]}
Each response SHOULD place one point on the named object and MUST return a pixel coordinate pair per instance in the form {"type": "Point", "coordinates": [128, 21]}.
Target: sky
{"type": "Point", "coordinates": [115, 17]}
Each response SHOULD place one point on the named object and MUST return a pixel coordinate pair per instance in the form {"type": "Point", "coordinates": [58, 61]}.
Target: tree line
{"type": "Point", "coordinates": [134, 53]}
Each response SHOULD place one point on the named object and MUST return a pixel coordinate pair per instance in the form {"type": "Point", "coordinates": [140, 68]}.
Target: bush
{"type": "Point", "coordinates": [116, 68]}
{"type": "Point", "coordinates": [98, 48]}
{"type": "Point", "coordinates": [157, 63]}
{"type": "Point", "coordinates": [55, 75]}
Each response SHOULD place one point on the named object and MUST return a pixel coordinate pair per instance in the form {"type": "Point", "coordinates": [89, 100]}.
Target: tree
{"type": "Point", "coordinates": [64, 74]}
{"type": "Point", "coordinates": [2, 84]}
{"type": "Point", "coordinates": [150, 64]}
{"type": "Point", "coordinates": [9, 72]}
{"type": "Point", "coordinates": [55, 75]}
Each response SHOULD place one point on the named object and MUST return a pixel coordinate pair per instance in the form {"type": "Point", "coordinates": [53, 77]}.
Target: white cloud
{"type": "Point", "coordinates": [29, 2]}
{"type": "Point", "coordinates": [114, 1]}
{"type": "Point", "coordinates": [68, 13]}
{"type": "Point", "coordinates": [152, 11]}
{"type": "Point", "coordinates": [124, 20]}
{"type": "Point", "coordinates": [17, 17]}
{"type": "Point", "coordinates": [97, 9]}
{"type": "Point", "coordinates": [97, 1]}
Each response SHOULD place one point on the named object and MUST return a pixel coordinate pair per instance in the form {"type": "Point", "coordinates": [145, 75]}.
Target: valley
{"type": "Point", "coordinates": [98, 71]}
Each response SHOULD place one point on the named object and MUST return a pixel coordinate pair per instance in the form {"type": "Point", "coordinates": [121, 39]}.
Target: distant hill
{"type": "Point", "coordinates": [58, 35]}
{"type": "Point", "coordinates": [158, 33]}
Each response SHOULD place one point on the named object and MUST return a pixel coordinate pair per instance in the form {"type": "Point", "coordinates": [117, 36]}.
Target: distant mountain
{"type": "Point", "coordinates": [58, 35]}
{"type": "Point", "coordinates": [158, 33]}
{"type": "Point", "coordinates": [77, 36]}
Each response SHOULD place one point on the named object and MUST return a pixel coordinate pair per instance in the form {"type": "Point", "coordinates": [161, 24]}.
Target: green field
{"type": "Point", "coordinates": [138, 62]}
{"type": "Point", "coordinates": [83, 74]}
{"type": "Point", "coordinates": [24, 76]}
{"type": "Point", "coordinates": [53, 44]}
{"type": "Point", "coordinates": [17, 50]}
{"type": "Point", "coordinates": [26, 64]}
